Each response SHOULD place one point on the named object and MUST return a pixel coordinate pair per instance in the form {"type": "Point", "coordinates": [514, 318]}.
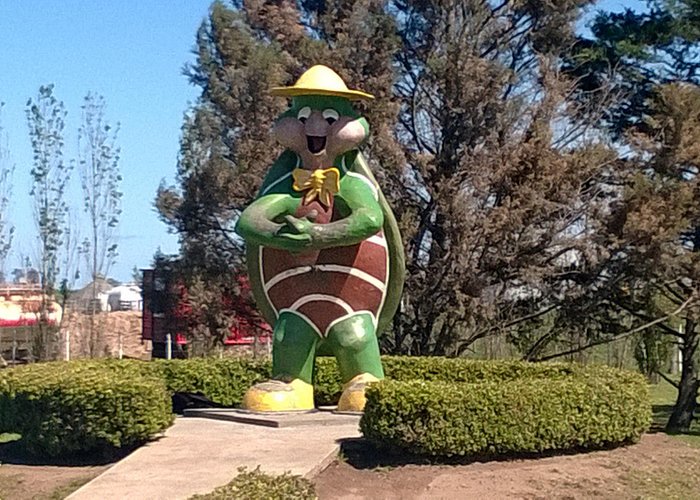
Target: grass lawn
{"type": "Point", "coordinates": [663, 397]}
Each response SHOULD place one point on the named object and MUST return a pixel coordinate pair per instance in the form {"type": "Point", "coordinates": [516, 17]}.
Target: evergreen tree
{"type": "Point", "coordinates": [663, 211]}
{"type": "Point", "coordinates": [651, 60]}
{"type": "Point", "coordinates": [495, 172]}
{"type": "Point", "coordinates": [633, 52]}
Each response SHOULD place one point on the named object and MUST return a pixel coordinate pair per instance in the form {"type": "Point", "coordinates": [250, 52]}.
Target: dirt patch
{"type": "Point", "coordinates": [24, 476]}
{"type": "Point", "coordinates": [659, 466]}
{"type": "Point", "coordinates": [110, 331]}
{"type": "Point", "coordinates": [24, 482]}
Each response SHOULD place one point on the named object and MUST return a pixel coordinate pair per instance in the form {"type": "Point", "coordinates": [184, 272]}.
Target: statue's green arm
{"type": "Point", "coordinates": [269, 220]}
{"type": "Point", "coordinates": [365, 217]}
{"type": "Point", "coordinates": [257, 224]}
{"type": "Point", "coordinates": [262, 222]}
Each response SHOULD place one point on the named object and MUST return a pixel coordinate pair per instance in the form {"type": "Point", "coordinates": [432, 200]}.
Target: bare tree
{"type": "Point", "coordinates": [6, 170]}
{"type": "Point", "coordinates": [100, 178]}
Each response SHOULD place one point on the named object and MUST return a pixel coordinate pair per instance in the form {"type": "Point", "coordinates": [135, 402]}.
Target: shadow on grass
{"type": "Point", "coordinates": [661, 413]}
{"type": "Point", "coordinates": [363, 454]}
{"type": "Point", "coordinates": [15, 453]}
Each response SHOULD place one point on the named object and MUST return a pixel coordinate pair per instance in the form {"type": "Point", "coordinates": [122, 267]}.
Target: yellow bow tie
{"type": "Point", "coordinates": [321, 184]}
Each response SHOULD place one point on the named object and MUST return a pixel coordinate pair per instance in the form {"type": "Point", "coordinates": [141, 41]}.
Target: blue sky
{"type": "Point", "coordinates": [130, 51]}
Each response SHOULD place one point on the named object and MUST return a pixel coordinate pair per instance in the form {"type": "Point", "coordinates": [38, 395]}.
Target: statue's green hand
{"type": "Point", "coordinates": [294, 242]}
{"type": "Point", "coordinates": [298, 226]}
{"type": "Point", "coordinates": [294, 235]}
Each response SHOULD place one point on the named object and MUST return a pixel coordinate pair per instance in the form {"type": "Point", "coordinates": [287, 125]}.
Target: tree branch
{"type": "Point", "coordinates": [665, 328]}
{"type": "Point", "coordinates": [465, 345]}
{"type": "Point", "coordinates": [667, 379]}
{"type": "Point", "coordinates": [616, 337]}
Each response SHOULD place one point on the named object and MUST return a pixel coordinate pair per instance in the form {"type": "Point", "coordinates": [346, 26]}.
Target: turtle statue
{"type": "Point", "coordinates": [324, 252]}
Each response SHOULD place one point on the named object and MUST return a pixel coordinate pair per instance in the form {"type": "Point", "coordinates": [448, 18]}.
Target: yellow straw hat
{"type": "Point", "coordinates": [320, 80]}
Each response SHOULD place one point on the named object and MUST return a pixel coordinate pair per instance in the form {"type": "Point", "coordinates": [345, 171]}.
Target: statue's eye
{"type": "Point", "coordinates": [304, 113]}
{"type": "Point", "coordinates": [331, 115]}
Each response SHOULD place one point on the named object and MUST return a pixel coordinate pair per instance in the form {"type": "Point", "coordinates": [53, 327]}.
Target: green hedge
{"type": "Point", "coordinates": [256, 485]}
{"type": "Point", "coordinates": [437, 406]}
{"type": "Point", "coordinates": [328, 386]}
{"type": "Point", "coordinates": [586, 408]}
{"type": "Point", "coordinates": [67, 407]}
{"type": "Point", "coordinates": [224, 381]}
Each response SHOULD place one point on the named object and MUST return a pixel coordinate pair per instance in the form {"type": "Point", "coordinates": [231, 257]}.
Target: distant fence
{"type": "Point", "coordinates": [9, 289]}
{"type": "Point", "coordinates": [92, 306]}
{"type": "Point", "coordinates": [15, 345]}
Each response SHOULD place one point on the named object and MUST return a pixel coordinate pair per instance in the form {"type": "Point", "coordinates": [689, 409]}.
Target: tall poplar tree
{"type": "Point", "coordinates": [50, 174]}
{"type": "Point", "coordinates": [98, 166]}
{"type": "Point", "coordinates": [100, 178]}
{"type": "Point", "coordinates": [6, 171]}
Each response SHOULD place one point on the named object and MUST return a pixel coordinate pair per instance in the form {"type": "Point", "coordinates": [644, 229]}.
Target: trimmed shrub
{"type": "Point", "coordinates": [62, 408]}
{"type": "Point", "coordinates": [223, 381]}
{"type": "Point", "coordinates": [433, 406]}
{"type": "Point", "coordinates": [328, 386]}
{"type": "Point", "coordinates": [256, 485]}
{"type": "Point", "coordinates": [327, 383]}
{"type": "Point", "coordinates": [590, 408]}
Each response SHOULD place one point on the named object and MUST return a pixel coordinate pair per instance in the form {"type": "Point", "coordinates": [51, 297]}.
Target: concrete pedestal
{"type": "Point", "coordinates": [314, 418]}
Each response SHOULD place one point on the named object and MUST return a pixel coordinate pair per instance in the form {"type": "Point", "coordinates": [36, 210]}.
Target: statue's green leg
{"type": "Point", "coordinates": [355, 345]}
{"type": "Point", "coordinates": [293, 348]}
{"type": "Point", "coordinates": [293, 352]}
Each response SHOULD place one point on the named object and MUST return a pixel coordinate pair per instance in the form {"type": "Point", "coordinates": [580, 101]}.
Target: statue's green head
{"type": "Point", "coordinates": [321, 123]}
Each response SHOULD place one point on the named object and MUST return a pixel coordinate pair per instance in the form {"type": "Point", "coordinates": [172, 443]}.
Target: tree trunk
{"type": "Point", "coordinates": [684, 410]}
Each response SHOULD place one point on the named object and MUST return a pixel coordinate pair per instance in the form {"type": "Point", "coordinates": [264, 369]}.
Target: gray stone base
{"type": "Point", "coordinates": [277, 419]}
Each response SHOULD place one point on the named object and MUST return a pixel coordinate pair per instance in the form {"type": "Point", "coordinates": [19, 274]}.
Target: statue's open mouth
{"type": "Point", "coordinates": [315, 143]}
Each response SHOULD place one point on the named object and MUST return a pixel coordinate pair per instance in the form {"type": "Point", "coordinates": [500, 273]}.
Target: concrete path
{"type": "Point", "coordinates": [196, 455]}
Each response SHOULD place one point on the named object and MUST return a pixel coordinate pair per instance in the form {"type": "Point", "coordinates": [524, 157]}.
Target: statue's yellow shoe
{"type": "Point", "coordinates": [353, 397]}
{"type": "Point", "coordinates": [277, 395]}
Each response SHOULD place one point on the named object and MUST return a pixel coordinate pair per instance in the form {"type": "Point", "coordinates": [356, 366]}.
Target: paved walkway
{"type": "Point", "coordinates": [196, 455]}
